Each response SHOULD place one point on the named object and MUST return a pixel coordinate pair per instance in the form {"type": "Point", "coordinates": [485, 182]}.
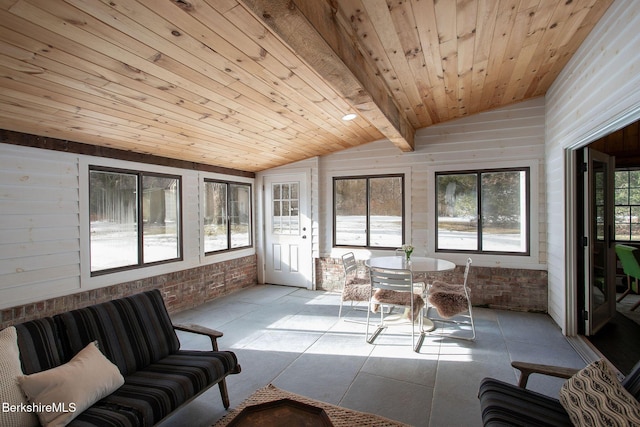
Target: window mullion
{"type": "Point", "coordinates": [368, 213]}
{"type": "Point", "coordinates": [228, 202]}
{"type": "Point", "coordinates": [479, 213]}
{"type": "Point", "coordinates": [140, 217]}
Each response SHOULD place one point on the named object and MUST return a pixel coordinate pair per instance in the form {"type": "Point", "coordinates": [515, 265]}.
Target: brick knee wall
{"type": "Point", "coordinates": [501, 288]}
{"type": "Point", "coordinates": [181, 290]}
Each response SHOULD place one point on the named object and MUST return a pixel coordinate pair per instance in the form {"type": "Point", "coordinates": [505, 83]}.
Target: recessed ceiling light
{"type": "Point", "coordinates": [348, 117]}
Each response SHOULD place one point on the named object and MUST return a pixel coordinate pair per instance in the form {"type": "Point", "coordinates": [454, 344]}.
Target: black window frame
{"type": "Point", "coordinates": [627, 205]}
{"type": "Point", "coordinates": [139, 217]}
{"type": "Point", "coordinates": [368, 210]}
{"type": "Point", "coordinates": [479, 173]}
{"type": "Point", "coordinates": [228, 184]}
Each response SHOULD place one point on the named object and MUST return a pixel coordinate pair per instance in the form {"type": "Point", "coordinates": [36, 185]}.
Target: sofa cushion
{"type": "Point", "coordinates": [40, 345]}
{"type": "Point", "coordinates": [505, 404]}
{"type": "Point", "coordinates": [594, 396]}
{"type": "Point", "coordinates": [73, 387]}
{"type": "Point", "coordinates": [10, 392]}
{"type": "Point", "coordinates": [149, 395]}
{"type": "Point", "coordinates": [132, 332]}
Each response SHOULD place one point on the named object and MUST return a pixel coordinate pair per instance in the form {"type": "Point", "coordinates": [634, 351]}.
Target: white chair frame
{"type": "Point", "coordinates": [468, 314]}
{"type": "Point", "coordinates": [395, 280]}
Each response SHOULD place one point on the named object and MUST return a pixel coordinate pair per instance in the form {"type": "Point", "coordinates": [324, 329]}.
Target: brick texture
{"type": "Point", "coordinates": [181, 290]}
{"type": "Point", "coordinates": [500, 288]}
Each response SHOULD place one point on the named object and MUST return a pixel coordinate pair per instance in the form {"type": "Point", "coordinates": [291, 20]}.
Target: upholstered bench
{"type": "Point", "coordinates": [151, 375]}
{"type": "Point", "coordinates": [591, 396]}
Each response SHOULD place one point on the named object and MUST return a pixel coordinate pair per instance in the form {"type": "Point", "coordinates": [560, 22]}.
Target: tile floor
{"type": "Point", "coordinates": [293, 338]}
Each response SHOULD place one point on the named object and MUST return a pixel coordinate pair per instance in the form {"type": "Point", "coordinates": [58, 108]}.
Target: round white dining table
{"type": "Point", "coordinates": [417, 264]}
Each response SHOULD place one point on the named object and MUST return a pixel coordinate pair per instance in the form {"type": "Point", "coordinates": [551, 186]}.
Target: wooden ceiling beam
{"type": "Point", "coordinates": [311, 29]}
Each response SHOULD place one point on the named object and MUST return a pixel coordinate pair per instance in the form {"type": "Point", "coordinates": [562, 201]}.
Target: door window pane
{"type": "Point", "coordinates": [286, 208]}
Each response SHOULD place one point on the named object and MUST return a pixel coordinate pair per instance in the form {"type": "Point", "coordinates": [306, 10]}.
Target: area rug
{"type": "Point", "coordinates": [340, 417]}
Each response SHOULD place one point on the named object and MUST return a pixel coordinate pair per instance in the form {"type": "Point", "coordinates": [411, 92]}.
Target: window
{"type": "Point", "coordinates": [227, 216]}
{"type": "Point", "coordinates": [483, 211]}
{"type": "Point", "coordinates": [286, 208]}
{"type": "Point", "coordinates": [369, 211]}
{"type": "Point", "coordinates": [627, 205]}
{"type": "Point", "coordinates": [121, 200]}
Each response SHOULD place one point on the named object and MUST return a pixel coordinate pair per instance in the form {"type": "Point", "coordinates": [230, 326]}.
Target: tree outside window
{"type": "Point", "coordinates": [227, 216]}
{"type": "Point", "coordinates": [483, 211]}
{"type": "Point", "coordinates": [369, 211]}
{"type": "Point", "coordinates": [119, 201]}
{"type": "Point", "coordinates": [627, 205]}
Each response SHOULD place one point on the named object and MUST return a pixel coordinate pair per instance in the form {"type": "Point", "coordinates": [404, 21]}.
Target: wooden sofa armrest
{"type": "Point", "coordinates": [200, 330]}
{"type": "Point", "coordinates": [527, 369]}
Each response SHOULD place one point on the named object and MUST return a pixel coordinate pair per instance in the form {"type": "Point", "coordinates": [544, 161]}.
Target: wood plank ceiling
{"type": "Point", "coordinates": [254, 84]}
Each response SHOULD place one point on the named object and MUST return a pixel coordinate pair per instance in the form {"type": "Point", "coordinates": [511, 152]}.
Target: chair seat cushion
{"type": "Point", "coordinates": [150, 394]}
{"type": "Point", "coordinates": [388, 296]}
{"type": "Point", "coordinates": [504, 404]}
{"type": "Point", "coordinates": [356, 292]}
{"type": "Point", "coordinates": [448, 299]}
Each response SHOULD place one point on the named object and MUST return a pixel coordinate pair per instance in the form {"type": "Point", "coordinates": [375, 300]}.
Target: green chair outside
{"type": "Point", "coordinates": [631, 268]}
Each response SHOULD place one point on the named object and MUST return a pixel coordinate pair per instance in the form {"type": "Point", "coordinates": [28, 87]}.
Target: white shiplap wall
{"type": "Point", "coordinates": [507, 137]}
{"type": "Point", "coordinates": [39, 222]}
{"type": "Point", "coordinates": [44, 249]}
{"type": "Point", "coordinates": [597, 92]}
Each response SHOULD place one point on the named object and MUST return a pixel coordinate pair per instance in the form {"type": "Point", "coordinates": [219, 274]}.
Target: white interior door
{"type": "Point", "coordinates": [287, 230]}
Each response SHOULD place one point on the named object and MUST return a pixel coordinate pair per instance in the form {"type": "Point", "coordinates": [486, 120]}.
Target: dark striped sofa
{"type": "Point", "coordinates": [504, 404]}
{"type": "Point", "coordinates": [136, 334]}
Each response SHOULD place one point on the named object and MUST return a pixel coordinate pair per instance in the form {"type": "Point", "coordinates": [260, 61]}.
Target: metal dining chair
{"type": "Point", "coordinates": [453, 300]}
{"type": "Point", "coordinates": [355, 289]}
{"type": "Point", "coordinates": [395, 288]}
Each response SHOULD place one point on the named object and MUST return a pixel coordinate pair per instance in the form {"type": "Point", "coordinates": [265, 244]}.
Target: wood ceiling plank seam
{"type": "Point", "coordinates": [168, 145]}
{"type": "Point", "coordinates": [252, 67]}
{"type": "Point", "coordinates": [467, 17]}
{"type": "Point", "coordinates": [103, 19]}
{"type": "Point", "coordinates": [445, 13]}
{"type": "Point", "coordinates": [502, 29]}
{"type": "Point", "coordinates": [595, 13]}
{"type": "Point", "coordinates": [485, 27]}
{"type": "Point", "coordinates": [160, 65]}
{"type": "Point", "coordinates": [229, 135]}
{"type": "Point", "coordinates": [16, 124]}
{"type": "Point", "coordinates": [317, 20]}
{"type": "Point", "coordinates": [273, 46]}
{"type": "Point", "coordinates": [404, 20]}
{"type": "Point", "coordinates": [428, 34]}
{"type": "Point", "coordinates": [370, 47]}
{"type": "Point", "coordinates": [133, 112]}
{"type": "Point", "coordinates": [255, 87]}
{"type": "Point", "coordinates": [383, 23]}
{"type": "Point", "coordinates": [547, 50]}
{"type": "Point", "coordinates": [511, 74]}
